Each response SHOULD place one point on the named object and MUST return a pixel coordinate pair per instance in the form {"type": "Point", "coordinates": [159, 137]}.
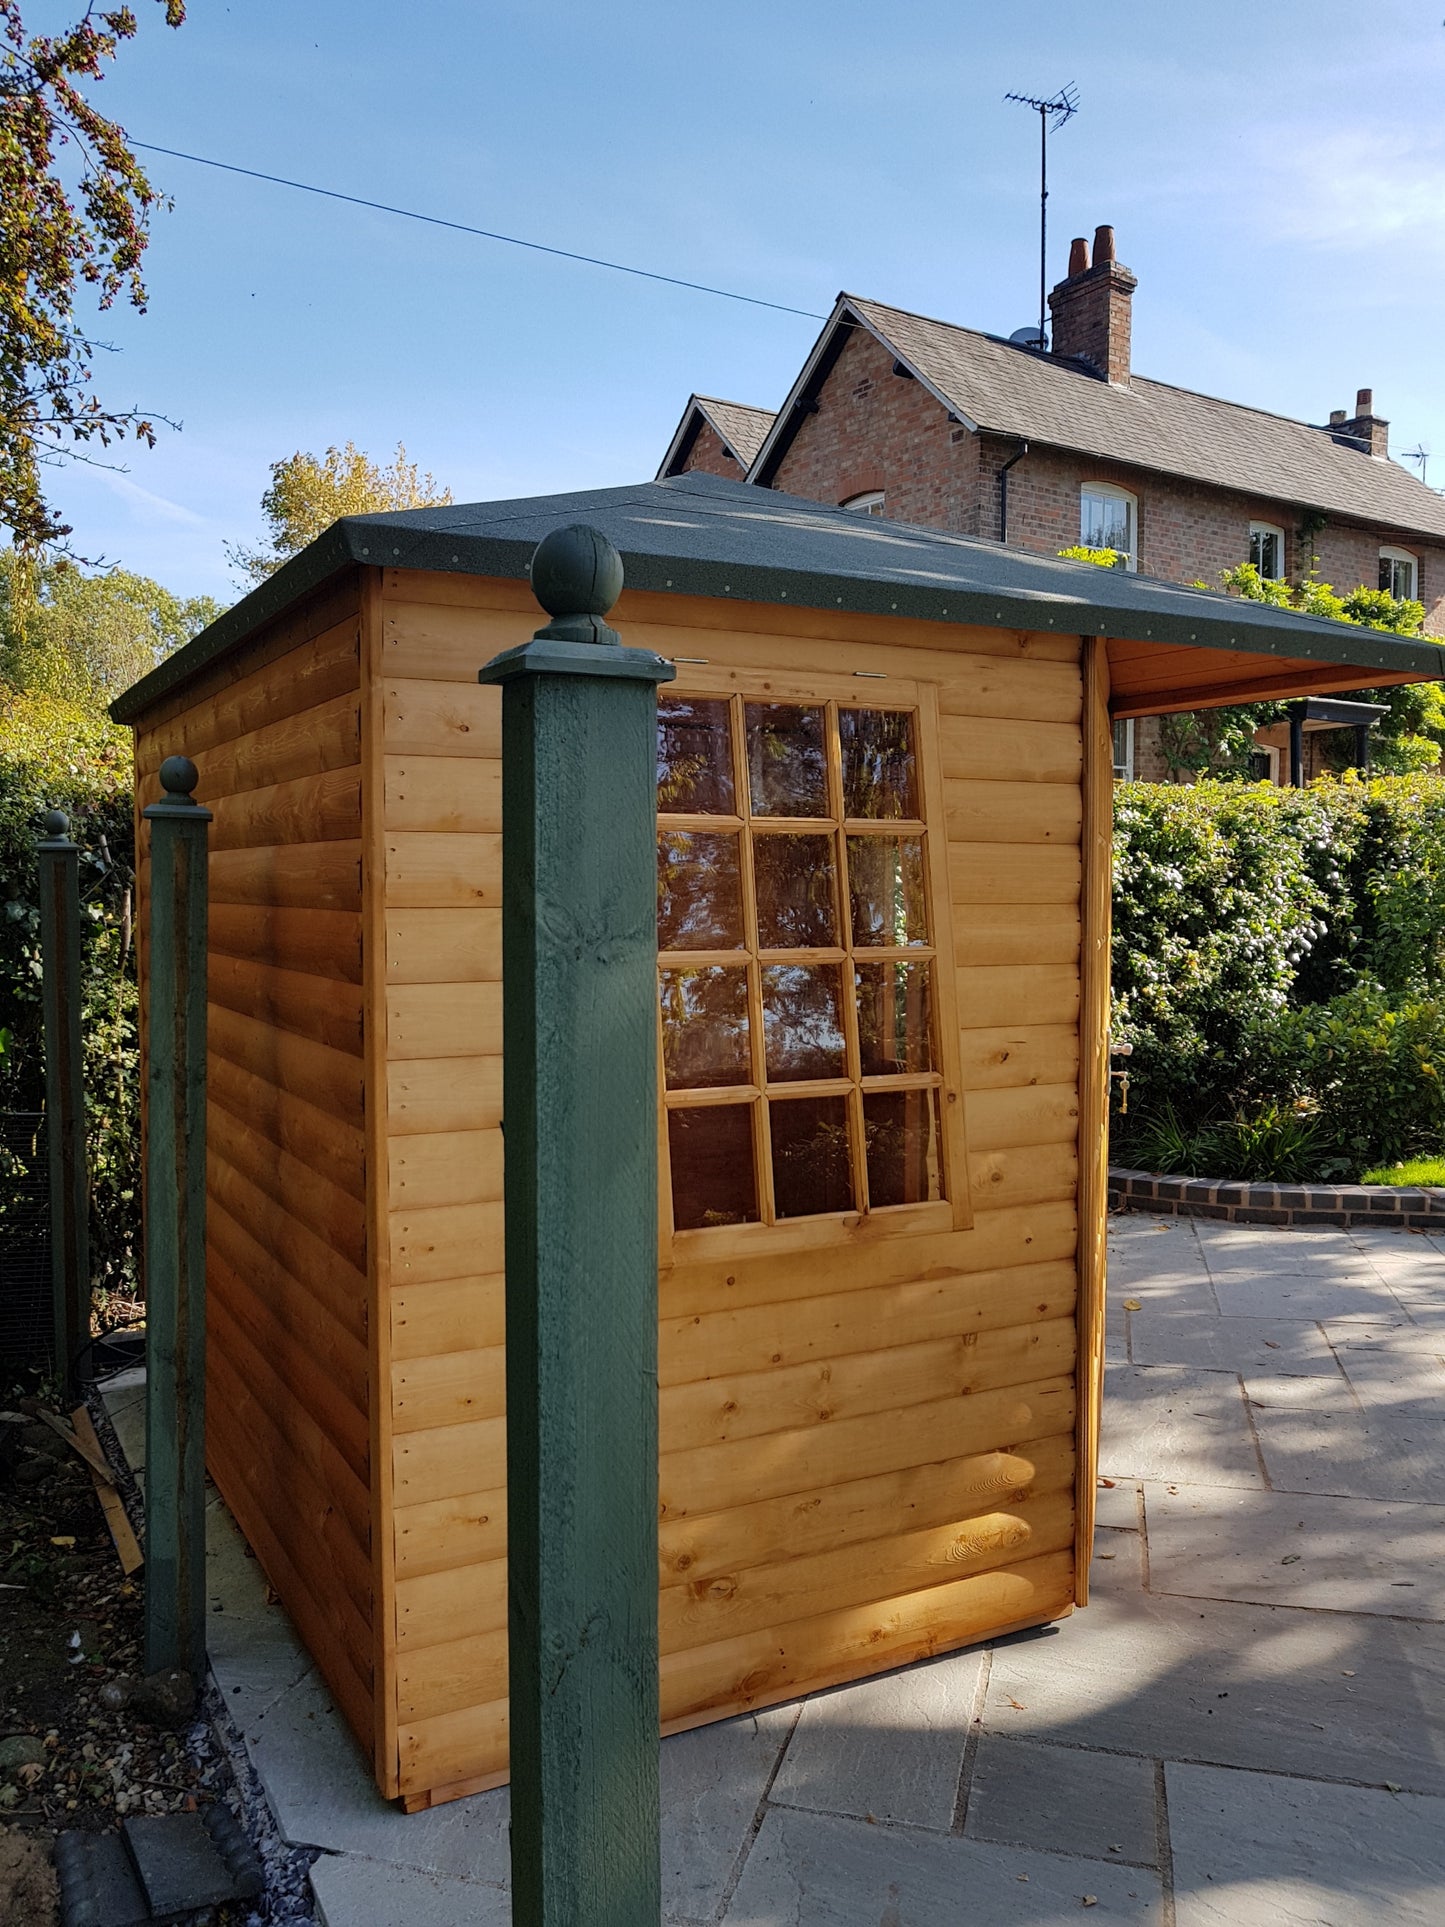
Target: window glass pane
{"type": "Point", "coordinates": [694, 757]}
{"type": "Point", "coordinates": [803, 1021]}
{"type": "Point", "coordinates": [712, 1166]}
{"type": "Point", "coordinates": [705, 1028]}
{"type": "Point", "coordinates": [787, 765]}
{"type": "Point", "coordinates": [1106, 522]}
{"type": "Point", "coordinates": [895, 1018]}
{"type": "Point", "coordinates": [811, 1168]}
{"type": "Point", "coordinates": [905, 1162]}
{"type": "Point", "coordinates": [885, 890]}
{"type": "Point", "coordinates": [796, 884]}
{"type": "Point", "coordinates": [880, 777]}
{"type": "Point", "coordinates": [699, 893]}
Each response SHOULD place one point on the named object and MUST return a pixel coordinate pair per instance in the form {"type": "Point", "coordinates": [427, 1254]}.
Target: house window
{"type": "Point", "coordinates": [801, 1008]}
{"type": "Point", "coordinates": [1266, 550]}
{"type": "Point", "coordinates": [1108, 519]}
{"type": "Point", "coordinates": [869, 503]}
{"type": "Point", "coordinates": [1397, 574]}
{"type": "Point", "coordinates": [1124, 750]}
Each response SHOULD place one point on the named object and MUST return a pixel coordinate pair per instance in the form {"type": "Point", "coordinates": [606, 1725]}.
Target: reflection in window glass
{"type": "Point", "coordinates": [895, 1019]}
{"type": "Point", "coordinates": [885, 890]}
{"type": "Point", "coordinates": [787, 767]}
{"type": "Point", "coordinates": [879, 776]}
{"type": "Point", "coordinates": [905, 1159]}
{"type": "Point", "coordinates": [694, 756]}
{"type": "Point", "coordinates": [803, 1021]}
{"type": "Point", "coordinates": [705, 1027]}
{"type": "Point", "coordinates": [811, 1169]}
{"type": "Point", "coordinates": [712, 1166]}
{"type": "Point", "coordinates": [699, 891]}
{"type": "Point", "coordinates": [797, 898]}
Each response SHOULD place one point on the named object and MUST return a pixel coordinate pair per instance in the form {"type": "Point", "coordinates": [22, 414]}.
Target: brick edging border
{"type": "Point", "coordinates": [1393, 1207]}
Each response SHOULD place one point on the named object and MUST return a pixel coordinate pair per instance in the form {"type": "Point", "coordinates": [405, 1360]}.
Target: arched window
{"type": "Point", "coordinates": [870, 502]}
{"type": "Point", "coordinates": [1109, 519]}
{"type": "Point", "coordinates": [1398, 574]}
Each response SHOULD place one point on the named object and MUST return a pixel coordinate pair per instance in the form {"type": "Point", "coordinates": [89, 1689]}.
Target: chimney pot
{"type": "Point", "coordinates": [1103, 246]}
{"type": "Point", "coordinates": [1078, 256]}
{"type": "Point", "coordinates": [1365, 402]}
{"type": "Point", "coordinates": [1337, 415]}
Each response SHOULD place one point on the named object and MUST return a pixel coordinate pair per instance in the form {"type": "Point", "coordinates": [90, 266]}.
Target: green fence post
{"type": "Point", "coordinates": [579, 965]}
{"type": "Point", "coordinates": [65, 1092]}
{"type": "Point", "coordinates": [175, 1228]}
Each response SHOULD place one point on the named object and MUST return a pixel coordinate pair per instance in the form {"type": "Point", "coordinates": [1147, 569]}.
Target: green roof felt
{"type": "Point", "coordinates": [696, 535]}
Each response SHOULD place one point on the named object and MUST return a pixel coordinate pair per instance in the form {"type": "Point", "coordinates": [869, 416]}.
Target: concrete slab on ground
{"type": "Point", "coordinates": [1064, 1799]}
{"type": "Point", "coordinates": [1173, 1423]}
{"type": "Point", "coordinates": [1201, 1339]}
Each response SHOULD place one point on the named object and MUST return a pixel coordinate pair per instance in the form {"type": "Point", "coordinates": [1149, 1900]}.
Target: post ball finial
{"type": "Point", "coordinates": [57, 823]}
{"type": "Point", "coordinates": [576, 572]}
{"type": "Point", "coordinates": [179, 776]}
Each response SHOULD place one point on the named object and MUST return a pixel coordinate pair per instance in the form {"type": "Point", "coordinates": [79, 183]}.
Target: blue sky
{"type": "Point", "coordinates": [1275, 174]}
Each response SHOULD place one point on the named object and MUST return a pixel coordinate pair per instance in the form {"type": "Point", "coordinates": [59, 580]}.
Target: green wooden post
{"type": "Point", "coordinates": [579, 960]}
{"type": "Point", "coordinates": [65, 1092]}
{"type": "Point", "coordinates": [175, 1229]}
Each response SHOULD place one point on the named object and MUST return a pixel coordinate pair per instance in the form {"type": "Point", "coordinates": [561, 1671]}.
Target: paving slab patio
{"type": "Point", "coordinates": [1246, 1726]}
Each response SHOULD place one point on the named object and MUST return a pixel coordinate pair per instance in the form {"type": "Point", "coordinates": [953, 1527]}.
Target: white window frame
{"type": "Point", "coordinates": [1124, 767]}
{"type": "Point", "coordinates": [1106, 491]}
{"type": "Point", "coordinates": [1257, 532]}
{"type": "Point", "coordinates": [1396, 557]}
{"type": "Point", "coordinates": [870, 502]}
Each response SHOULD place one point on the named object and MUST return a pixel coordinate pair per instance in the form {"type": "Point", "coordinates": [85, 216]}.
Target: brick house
{"type": "Point", "coordinates": [924, 421]}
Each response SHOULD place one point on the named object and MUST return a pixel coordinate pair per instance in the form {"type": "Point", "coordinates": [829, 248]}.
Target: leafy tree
{"type": "Point", "coordinates": [54, 240]}
{"type": "Point", "coordinates": [307, 494]}
{"type": "Point", "coordinates": [83, 638]}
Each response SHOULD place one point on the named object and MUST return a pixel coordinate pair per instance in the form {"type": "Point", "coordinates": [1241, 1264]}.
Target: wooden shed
{"type": "Point", "coordinates": [885, 774]}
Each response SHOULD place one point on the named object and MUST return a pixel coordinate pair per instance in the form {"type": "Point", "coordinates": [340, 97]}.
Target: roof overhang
{"type": "Point", "coordinates": [694, 535]}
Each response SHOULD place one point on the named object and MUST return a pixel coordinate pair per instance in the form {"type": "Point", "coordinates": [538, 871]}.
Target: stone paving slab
{"type": "Point", "coordinates": [1350, 1455]}
{"type": "Point", "coordinates": [886, 1749]}
{"type": "Point", "coordinates": [1304, 1294]}
{"type": "Point", "coordinates": [1172, 1423]}
{"type": "Point", "coordinates": [1253, 1850]}
{"type": "Point", "coordinates": [352, 1892]}
{"type": "Point", "coordinates": [1284, 1549]}
{"type": "Point", "coordinates": [1228, 1247]}
{"type": "Point", "coordinates": [1116, 1505]}
{"type": "Point", "coordinates": [1231, 1685]}
{"type": "Point", "coordinates": [1064, 1800]}
{"type": "Point", "coordinates": [712, 1782]}
{"type": "Point", "coordinates": [1201, 1338]}
{"type": "Point", "coordinates": [1392, 1380]}
{"type": "Point", "coordinates": [813, 1870]}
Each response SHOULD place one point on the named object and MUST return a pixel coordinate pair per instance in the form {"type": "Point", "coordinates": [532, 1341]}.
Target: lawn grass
{"type": "Point", "coordinates": [1414, 1172]}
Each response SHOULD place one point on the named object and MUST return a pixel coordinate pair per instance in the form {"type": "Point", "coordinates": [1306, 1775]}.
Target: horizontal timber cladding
{"type": "Point", "coordinates": [867, 1438]}
{"type": "Point", "coordinates": [275, 732]}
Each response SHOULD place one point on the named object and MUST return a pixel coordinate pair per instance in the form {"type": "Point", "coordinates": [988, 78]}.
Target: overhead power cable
{"type": "Point", "coordinates": [486, 234]}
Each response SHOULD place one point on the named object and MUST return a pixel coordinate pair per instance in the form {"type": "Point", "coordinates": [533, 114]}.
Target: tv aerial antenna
{"type": "Point", "coordinates": [1053, 113]}
{"type": "Point", "coordinates": [1419, 454]}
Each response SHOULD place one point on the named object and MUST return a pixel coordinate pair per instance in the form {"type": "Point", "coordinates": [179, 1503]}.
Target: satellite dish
{"type": "Point", "coordinates": [1028, 337]}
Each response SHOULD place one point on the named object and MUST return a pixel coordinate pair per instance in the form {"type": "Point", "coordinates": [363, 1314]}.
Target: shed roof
{"type": "Point", "coordinates": [697, 535]}
{"type": "Point", "coordinates": [1013, 390]}
{"type": "Point", "coordinates": [740, 428]}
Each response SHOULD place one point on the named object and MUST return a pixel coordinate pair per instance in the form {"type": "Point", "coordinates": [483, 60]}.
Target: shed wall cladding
{"type": "Point", "coordinates": [867, 1438]}
{"type": "Point", "coordinates": [275, 732]}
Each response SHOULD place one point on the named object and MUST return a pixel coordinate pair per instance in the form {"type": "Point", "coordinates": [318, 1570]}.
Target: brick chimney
{"type": "Point", "coordinates": [1091, 309]}
{"type": "Point", "coordinates": [1364, 430]}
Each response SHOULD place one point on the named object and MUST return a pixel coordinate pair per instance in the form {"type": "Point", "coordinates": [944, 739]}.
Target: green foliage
{"type": "Point", "coordinates": [308, 494]}
{"type": "Point", "coordinates": [55, 241]}
{"type": "Point", "coordinates": [58, 754]}
{"type": "Point", "coordinates": [1101, 558]}
{"type": "Point", "coordinates": [1262, 939]}
{"type": "Point", "coordinates": [1371, 1067]}
{"type": "Point", "coordinates": [84, 638]}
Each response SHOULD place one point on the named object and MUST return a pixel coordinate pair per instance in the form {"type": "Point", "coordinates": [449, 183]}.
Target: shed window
{"type": "Point", "coordinates": [1397, 574]}
{"type": "Point", "coordinates": [797, 962]}
{"type": "Point", "coordinates": [1266, 550]}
